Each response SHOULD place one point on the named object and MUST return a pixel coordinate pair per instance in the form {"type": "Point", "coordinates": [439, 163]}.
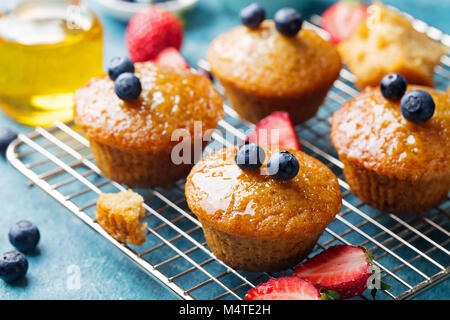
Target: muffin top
{"type": "Point", "coordinates": [387, 42]}
{"type": "Point", "coordinates": [372, 133]}
{"type": "Point", "coordinates": [251, 204]}
{"type": "Point", "coordinates": [265, 63]}
{"type": "Point", "coordinates": [171, 99]}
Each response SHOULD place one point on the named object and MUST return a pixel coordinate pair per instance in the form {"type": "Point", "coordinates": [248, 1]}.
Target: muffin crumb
{"type": "Point", "coordinates": [120, 215]}
{"type": "Point", "coordinates": [387, 42]}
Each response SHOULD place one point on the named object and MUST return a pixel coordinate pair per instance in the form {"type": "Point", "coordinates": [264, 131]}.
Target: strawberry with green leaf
{"type": "Point", "coordinates": [345, 269]}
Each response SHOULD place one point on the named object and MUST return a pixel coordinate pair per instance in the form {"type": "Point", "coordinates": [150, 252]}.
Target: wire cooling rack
{"type": "Point", "coordinates": [412, 251]}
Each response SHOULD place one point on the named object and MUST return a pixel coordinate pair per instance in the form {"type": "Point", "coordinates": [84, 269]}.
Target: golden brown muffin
{"type": "Point", "coordinates": [387, 42]}
{"type": "Point", "coordinates": [263, 71]}
{"type": "Point", "coordinates": [131, 141]}
{"type": "Point", "coordinates": [389, 162]}
{"type": "Point", "coordinates": [252, 221]}
{"type": "Point", "coordinates": [120, 215]}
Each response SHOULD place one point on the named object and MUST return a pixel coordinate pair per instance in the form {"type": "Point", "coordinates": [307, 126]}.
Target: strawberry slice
{"type": "Point", "coordinates": [286, 288]}
{"type": "Point", "coordinates": [171, 57]}
{"type": "Point", "coordinates": [284, 137]}
{"type": "Point", "coordinates": [342, 19]}
{"type": "Point", "coordinates": [341, 268]}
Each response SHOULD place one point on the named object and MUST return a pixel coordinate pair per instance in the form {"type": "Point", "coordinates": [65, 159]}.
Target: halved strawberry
{"type": "Point", "coordinates": [342, 19]}
{"type": "Point", "coordinates": [284, 137]}
{"type": "Point", "coordinates": [341, 268]}
{"type": "Point", "coordinates": [287, 288]}
{"type": "Point", "coordinates": [171, 57]}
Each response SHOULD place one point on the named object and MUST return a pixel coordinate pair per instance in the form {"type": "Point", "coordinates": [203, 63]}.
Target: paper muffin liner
{"type": "Point", "coordinates": [253, 108]}
{"type": "Point", "coordinates": [393, 195]}
{"type": "Point", "coordinates": [141, 169]}
{"type": "Point", "coordinates": [258, 255]}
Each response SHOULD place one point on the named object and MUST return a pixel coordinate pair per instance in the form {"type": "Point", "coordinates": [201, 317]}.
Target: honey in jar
{"type": "Point", "coordinates": [48, 48]}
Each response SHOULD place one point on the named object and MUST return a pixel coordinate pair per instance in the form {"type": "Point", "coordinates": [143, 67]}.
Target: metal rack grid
{"type": "Point", "coordinates": [412, 251]}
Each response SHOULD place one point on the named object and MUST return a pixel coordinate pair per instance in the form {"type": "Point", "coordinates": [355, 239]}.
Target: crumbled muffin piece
{"type": "Point", "coordinates": [387, 42]}
{"type": "Point", "coordinates": [120, 215]}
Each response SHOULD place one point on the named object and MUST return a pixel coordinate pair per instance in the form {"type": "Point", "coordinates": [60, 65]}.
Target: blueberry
{"type": "Point", "coordinates": [283, 165]}
{"type": "Point", "coordinates": [250, 156]}
{"type": "Point", "coordinates": [24, 235]}
{"type": "Point", "coordinates": [288, 21]}
{"type": "Point", "coordinates": [6, 137]}
{"type": "Point", "coordinates": [118, 66]}
{"type": "Point", "coordinates": [128, 86]}
{"type": "Point", "coordinates": [417, 106]}
{"type": "Point", "coordinates": [252, 15]}
{"type": "Point", "coordinates": [393, 86]}
{"type": "Point", "coordinates": [13, 266]}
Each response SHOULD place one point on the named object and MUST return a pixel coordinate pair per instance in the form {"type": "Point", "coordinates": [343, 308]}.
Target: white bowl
{"type": "Point", "coordinates": [123, 10]}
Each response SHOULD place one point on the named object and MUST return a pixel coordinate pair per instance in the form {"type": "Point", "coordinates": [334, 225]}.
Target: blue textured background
{"type": "Point", "coordinates": [66, 241]}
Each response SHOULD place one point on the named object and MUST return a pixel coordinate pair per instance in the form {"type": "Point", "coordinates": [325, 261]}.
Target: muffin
{"type": "Point", "coordinates": [120, 215]}
{"type": "Point", "coordinates": [132, 141]}
{"type": "Point", "coordinates": [389, 162]}
{"type": "Point", "coordinates": [254, 222]}
{"type": "Point", "coordinates": [263, 71]}
{"type": "Point", "coordinates": [387, 42]}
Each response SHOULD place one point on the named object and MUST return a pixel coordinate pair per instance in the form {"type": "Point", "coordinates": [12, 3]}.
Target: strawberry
{"type": "Point", "coordinates": [279, 120]}
{"type": "Point", "coordinates": [342, 19]}
{"type": "Point", "coordinates": [288, 288]}
{"type": "Point", "coordinates": [341, 268]}
{"type": "Point", "coordinates": [150, 31]}
{"type": "Point", "coordinates": [171, 57]}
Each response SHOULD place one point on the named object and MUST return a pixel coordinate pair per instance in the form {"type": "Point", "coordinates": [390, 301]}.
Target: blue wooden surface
{"type": "Point", "coordinates": [66, 242]}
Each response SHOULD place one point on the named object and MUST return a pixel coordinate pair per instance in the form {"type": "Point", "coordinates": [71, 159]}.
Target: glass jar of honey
{"type": "Point", "coordinates": [48, 48]}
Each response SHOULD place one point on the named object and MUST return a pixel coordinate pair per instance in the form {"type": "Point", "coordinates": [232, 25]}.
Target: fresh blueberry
{"type": "Point", "coordinates": [249, 156]}
{"type": "Point", "coordinates": [6, 137]}
{"type": "Point", "coordinates": [393, 86]}
{"type": "Point", "coordinates": [288, 21]}
{"type": "Point", "coordinates": [283, 165]}
{"type": "Point", "coordinates": [128, 86]}
{"type": "Point", "coordinates": [252, 15]}
{"type": "Point", "coordinates": [13, 266]}
{"type": "Point", "coordinates": [24, 235]}
{"type": "Point", "coordinates": [118, 66]}
{"type": "Point", "coordinates": [417, 106]}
